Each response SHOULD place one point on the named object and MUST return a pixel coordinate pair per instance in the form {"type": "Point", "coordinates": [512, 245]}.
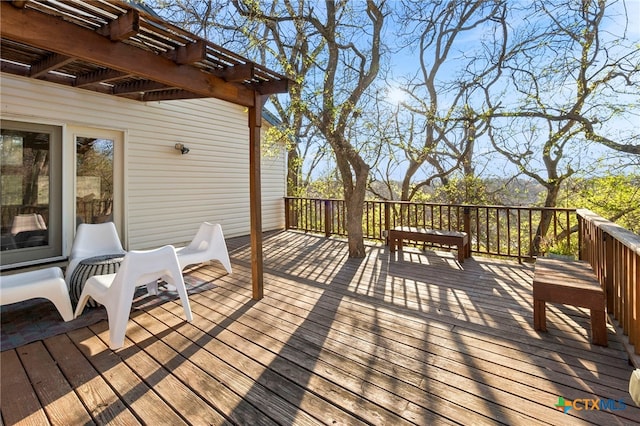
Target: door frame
{"type": "Point", "coordinates": [118, 136]}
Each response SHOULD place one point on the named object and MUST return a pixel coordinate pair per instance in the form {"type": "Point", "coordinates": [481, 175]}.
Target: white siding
{"type": "Point", "coordinates": [167, 194]}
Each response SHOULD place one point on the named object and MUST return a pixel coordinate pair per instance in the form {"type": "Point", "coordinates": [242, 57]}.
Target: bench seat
{"type": "Point", "coordinates": [569, 283]}
{"type": "Point", "coordinates": [451, 238]}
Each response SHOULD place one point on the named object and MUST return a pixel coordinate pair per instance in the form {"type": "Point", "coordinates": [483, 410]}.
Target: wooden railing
{"type": "Point", "coordinates": [493, 230]}
{"type": "Point", "coordinates": [614, 255]}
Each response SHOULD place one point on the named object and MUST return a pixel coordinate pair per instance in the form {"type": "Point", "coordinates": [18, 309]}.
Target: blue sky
{"type": "Point", "coordinates": [406, 62]}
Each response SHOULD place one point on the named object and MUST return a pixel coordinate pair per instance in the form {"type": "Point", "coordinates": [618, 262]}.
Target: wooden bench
{"type": "Point", "coordinates": [451, 238]}
{"type": "Point", "coordinates": [570, 283]}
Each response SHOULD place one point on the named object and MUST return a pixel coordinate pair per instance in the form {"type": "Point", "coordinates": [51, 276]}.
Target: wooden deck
{"type": "Point", "coordinates": [411, 338]}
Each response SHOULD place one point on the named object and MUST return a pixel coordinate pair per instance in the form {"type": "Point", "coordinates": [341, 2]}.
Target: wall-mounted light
{"type": "Point", "coordinates": [183, 149]}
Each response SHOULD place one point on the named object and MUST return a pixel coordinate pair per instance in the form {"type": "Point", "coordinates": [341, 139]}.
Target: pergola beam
{"type": "Point", "coordinates": [191, 53]}
{"type": "Point", "coordinates": [48, 32]}
{"type": "Point", "coordinates": [123, 27]}
{"type": "Point", "coordinates": [238, 73]}
{"type": "Point", "coordinates": [271, 87]}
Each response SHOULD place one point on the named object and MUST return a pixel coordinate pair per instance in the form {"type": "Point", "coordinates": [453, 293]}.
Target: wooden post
{"type": "Point", "coordinates": [255, 196]}
{"type": "Point", "coordinates": [580, 237]}
{"type": "Point", "coordinates": [287, 207]}
{"type": "Point", "coordinates": [327, 218]}
{"type": "Point", "coordinates": [467, 227]}
{"type": "Point", "coordinates": [634, 265]}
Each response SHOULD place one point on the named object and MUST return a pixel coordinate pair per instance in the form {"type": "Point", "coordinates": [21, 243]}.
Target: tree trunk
{"type": "Point", "coordinates": [36, 169]}
{"type": "Point", "coordinates": [355, 208]}
{"type": "Point", "coordinates": [553, 190]}
{"type": "Point", "coordinates": [293, 171]}
{"type": "Point", "coordinates": [351, 165]}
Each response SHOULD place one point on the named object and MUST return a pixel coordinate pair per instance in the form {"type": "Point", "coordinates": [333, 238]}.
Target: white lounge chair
{"type": "Point", "coordinates": [47, 283]}
{"type": "Point", "coordinates": [27, 222]}
{"type": "Point", "coordinates": [208, 244]}
{"type": "Point", "coordinates": [93, 239]}
{"type": "Point", "coordinates": [115, 291]}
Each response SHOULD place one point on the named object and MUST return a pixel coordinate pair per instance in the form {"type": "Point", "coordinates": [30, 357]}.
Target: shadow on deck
{"type": "Point", "coordinates": [406, 338]}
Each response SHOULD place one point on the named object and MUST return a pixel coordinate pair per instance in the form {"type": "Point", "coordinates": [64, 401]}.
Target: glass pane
{"type": "Point", "coordinates": [24, 184]}
{"type": "Point", "coordinates": [94, 180]}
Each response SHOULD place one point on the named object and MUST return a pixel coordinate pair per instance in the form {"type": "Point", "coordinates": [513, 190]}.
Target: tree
{"type": "Point", "coordinates": [349, 71]}
{"type": "Point", "coordinates": [442, 127]}
{"type": "Point", "coordinates": [333, 50]}
{"type": "Point", "coordinates": [568, 82]}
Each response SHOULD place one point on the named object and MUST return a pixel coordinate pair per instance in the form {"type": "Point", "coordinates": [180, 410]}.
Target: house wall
{"type": "Point", "coordinates": [166, 194]}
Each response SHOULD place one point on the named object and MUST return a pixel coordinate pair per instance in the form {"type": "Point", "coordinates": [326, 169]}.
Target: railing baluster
{"type": "Point", "coordinates": [508, 213]}
{"type": "Point", "coordinates": [487, 228]}
{"type": "Point", "coordinates": [499, 250]}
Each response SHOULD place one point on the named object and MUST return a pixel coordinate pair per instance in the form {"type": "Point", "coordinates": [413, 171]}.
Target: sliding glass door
{"type": "Point", "coordinates": [30, 192]}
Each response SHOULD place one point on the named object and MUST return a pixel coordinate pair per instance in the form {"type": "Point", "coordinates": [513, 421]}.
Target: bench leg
{"type": "Point", "coordinates": [461, 253]}
{"type": "Point", "coordinates": [598, 327]}
{"type": "Point", "coordinates": [539, 315]}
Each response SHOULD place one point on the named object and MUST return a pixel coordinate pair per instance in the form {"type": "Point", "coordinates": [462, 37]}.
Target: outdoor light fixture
{"type": "Point", "coordinates": [183, 149]}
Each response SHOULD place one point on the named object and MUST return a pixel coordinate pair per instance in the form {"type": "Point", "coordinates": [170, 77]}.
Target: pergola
{"type": "Point", "coordinates": [117, 48]}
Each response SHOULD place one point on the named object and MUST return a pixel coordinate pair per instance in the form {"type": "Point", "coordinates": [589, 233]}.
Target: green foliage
{"type": "Point", "coordinates": [276, 140]}
{"type": "Point", "coordinates": [327, 187]}
{"type": "Point", "coordinates": [465, 190]}
{"type": "Point", "coordinates": [561, 248]}
{"type": "Point", "coordinates": [614, 197]}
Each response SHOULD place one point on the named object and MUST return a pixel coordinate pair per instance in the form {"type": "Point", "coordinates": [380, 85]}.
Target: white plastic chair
{"type": "Point", "coordinates": [47, 283]}
{"type": "Point", "coordinates": [93, 239]}
{"type": "Point", "coordinates": [115, 291]}
{"type": "Point", "coordinates": [27, 222]}
{"type": "Point", "coordinates": [208, 244]}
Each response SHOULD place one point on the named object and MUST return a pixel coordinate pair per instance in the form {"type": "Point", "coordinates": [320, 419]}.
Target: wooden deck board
{"type": "Point", "coordinates": [90, 387]}
{"type": "Point", "coordinates": [19, 403]}
{"type": "Point", "coordinates": [132, 390]}
{"type": "Point", "coordinates": [297, 364]}
{"type": "Point", "coordinates": [305, 348]}
{"type": "Point", "coordinates": [414, 338]}
{"type": "Point", "coordinates": [404, 365]}
{"type": "Point", "coordinates": [59, 401]}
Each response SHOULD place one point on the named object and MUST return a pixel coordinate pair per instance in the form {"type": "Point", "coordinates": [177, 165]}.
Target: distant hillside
{"type": "Point", "coordinates": [514, 192]}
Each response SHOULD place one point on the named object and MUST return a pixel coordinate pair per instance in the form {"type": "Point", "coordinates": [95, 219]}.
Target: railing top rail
{"type": "Point", "coordinates": [626, 237]}
{"type": "Point", "coordinates": [561, 209]}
